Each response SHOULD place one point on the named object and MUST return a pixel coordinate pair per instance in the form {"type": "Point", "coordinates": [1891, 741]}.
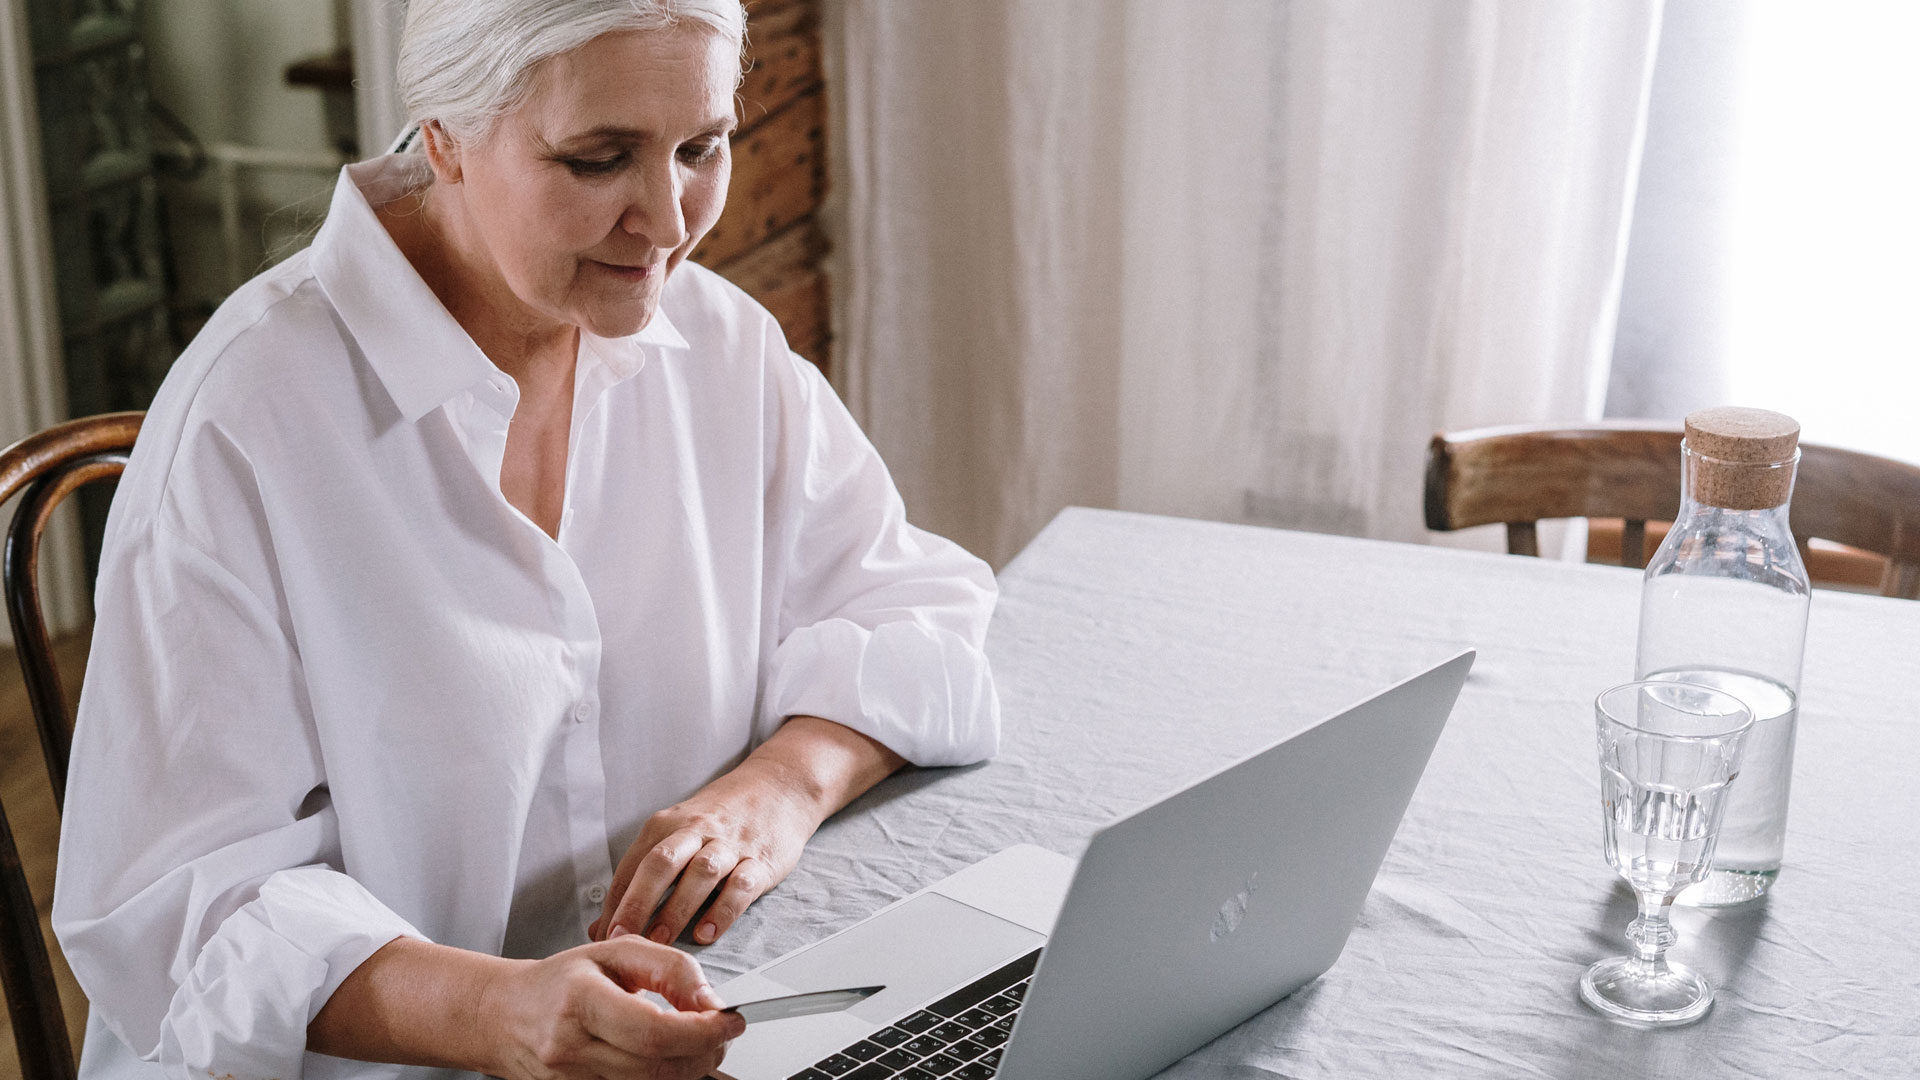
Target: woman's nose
{"type": "Point", "coordinates": [653, 210]}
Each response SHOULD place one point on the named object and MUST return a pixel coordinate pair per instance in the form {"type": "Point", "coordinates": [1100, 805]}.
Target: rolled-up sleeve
{"type": "Point", "coordinates": [200, 899]}
{"type": "Point", "coordinates": [881, 624]}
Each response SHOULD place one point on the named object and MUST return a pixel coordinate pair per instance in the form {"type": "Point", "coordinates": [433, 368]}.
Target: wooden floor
{"type": "Point", "coordinates": [36, 827]}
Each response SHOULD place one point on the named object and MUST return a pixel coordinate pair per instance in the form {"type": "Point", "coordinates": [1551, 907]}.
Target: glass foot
{"type": "Point", "coordinates": [1665, 995]}
{"type": "Point", "coordinates": [1724, 888]}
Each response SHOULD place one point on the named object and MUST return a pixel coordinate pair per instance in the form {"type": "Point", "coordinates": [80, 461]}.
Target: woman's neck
{"type": "Point", "coordinates": [530, 348]}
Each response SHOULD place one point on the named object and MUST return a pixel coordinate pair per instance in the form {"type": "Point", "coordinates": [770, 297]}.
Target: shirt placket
{"type": "Point", "coordinates": [586, 774]}
{"type": "Point", "coordinates": [578, 626]}
{"type": "Point", "coordinates": [586, 795]}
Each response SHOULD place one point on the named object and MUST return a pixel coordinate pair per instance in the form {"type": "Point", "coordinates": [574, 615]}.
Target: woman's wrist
{"type": "Point", "coordinates": [417, 1003]}
{"type": "Point", "coordinates": [821, 764]}
{"type": "Point", "coordinates": [486, 1019]}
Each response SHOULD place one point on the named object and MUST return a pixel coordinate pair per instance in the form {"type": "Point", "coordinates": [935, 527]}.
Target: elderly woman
{"type": "Point", "coordinates": [492, 600]}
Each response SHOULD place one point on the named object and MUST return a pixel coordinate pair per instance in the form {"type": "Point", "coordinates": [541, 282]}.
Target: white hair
{"type": "Point", "coordinates": [467, 63]}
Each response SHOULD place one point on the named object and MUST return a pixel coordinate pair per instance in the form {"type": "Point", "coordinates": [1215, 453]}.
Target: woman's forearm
{"type": "Point", "coordinates": [826, 764]}
{"type": "Point", "coordinates": [576, 1015]}
{"type": "Point", "coordinates": [413, 1003]}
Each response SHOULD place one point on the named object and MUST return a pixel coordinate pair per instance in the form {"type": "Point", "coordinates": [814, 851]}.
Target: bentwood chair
{"type": "Point", "coordinates": [1521, 475]}
{"type": "Point", "coordinates": [45, 469]}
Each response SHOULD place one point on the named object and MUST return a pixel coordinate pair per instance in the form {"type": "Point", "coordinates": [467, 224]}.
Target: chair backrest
{"type": "Point", "coordinates": [1631, 470]}
{"type": "Point", "coordinates": [44, 469]}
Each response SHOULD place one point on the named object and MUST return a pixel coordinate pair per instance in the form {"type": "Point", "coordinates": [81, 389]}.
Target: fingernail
{"type": "Point", "coordinates": [617, 931]}
{"type": "Point", "coordinates": [660, 935]}
{"type": "Point", "coordinates": [706, 933]}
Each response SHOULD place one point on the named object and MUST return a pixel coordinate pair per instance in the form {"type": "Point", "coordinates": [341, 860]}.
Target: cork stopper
{"type": "Point", "coordinates": [1744, 457]}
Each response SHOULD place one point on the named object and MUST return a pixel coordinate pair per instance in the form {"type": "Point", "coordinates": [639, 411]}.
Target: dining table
{"type": "Point", "coordinates": [1134, 654]}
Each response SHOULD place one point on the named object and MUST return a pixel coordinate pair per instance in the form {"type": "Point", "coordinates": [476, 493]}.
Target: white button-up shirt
{"type": "Point", "coordinates": [341, 690]}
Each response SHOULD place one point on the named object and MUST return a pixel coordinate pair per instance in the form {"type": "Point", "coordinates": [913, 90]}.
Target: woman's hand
{"type": "Point", "coordinates": [740, 835]}
{"type": "Point", "coordinates": [577, 1014]}
{"type": "Point", "coordinates": [732, 841]}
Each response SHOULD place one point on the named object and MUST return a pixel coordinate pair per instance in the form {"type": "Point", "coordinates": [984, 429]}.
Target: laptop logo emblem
{"type": "Point", "coordinates": [1231, 913]}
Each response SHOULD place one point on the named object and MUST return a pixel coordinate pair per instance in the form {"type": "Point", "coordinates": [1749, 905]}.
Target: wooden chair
{"type": "Point", "coordinates": [46, 468]}
{"type": "Point", "coordinates": [1521, 475]}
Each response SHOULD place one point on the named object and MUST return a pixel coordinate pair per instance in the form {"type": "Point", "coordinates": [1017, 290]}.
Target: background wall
{"type": "Point", "coordinates": [220, 66]}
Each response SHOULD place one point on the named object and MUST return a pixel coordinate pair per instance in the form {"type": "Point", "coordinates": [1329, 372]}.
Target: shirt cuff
{"type": "Point", "coordinates": [244, 1008]}
{"type": "Point", "coordinates": [924, 693]}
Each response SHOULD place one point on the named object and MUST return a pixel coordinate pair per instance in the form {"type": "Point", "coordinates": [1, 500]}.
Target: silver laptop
{"type": "Point", "coordinates": [1179, 921]}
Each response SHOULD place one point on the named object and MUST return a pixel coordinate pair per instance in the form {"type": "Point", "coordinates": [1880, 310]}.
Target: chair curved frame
{"type": "Point", "coordinates": [1630, 469]}
{"type": "Point", "coordinates": [44, 469]}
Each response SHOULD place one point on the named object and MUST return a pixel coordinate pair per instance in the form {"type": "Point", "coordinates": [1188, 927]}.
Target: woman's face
{"type": "Point", "coordinates": [581, 201]}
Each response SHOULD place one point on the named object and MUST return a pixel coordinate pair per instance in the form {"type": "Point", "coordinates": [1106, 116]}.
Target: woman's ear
{"type": "Point", "coordinates": [443, 152]}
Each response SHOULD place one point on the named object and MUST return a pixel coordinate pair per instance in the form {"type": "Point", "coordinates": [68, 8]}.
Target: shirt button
{"type": "Point", "coordinates": [583, 712]}
{"type": "Point", "coordinates": [597, 894]}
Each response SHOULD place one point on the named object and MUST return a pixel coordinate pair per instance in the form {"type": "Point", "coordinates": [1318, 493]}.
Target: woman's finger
{"type": "Point", "coordinates": [603, 1059]}
{"type": "Point", "coordinates": [653, 875]}
{"type": "Point", "coordinates": [653, 832]}
{"type": "Point", "coordinates": [634, 963]}
{"type": "Point", "coordinates": [703, 875]}
{"type": "Point", "coordinates": [636, 1026]}
{"type": "Point", "coordinates": [749, 881]}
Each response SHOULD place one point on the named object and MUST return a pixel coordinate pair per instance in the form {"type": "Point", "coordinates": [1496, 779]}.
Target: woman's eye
{"type": "Point", "coordinates": [596, 166]}
{"type": "Point", "coordinates": [699, 153]}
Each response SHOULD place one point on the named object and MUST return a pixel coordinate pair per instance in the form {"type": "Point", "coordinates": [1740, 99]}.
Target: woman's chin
{"type": "Point", "coordinates": [619, 320]}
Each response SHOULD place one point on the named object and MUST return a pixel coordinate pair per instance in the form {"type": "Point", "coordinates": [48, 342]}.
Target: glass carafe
{"type": "Point", "coordinates": [1724, 604]}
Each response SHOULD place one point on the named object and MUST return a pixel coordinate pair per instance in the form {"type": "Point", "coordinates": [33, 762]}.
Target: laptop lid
{"type": "Point", "coordinates": [1194, 913]}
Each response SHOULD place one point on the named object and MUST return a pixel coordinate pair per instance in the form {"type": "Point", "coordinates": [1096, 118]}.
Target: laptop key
{"type": "Point", "coordinates": [950, 1032]}
{"type": "Point", "coordinates": [1000, 1004]}
{"type": "Point", "coordinates": [810, 1074]}
{"type": "Point", "coordinates": [975, 1018]}
{"type": "Point", "coordinates": [892, 1036]}
{"type": "Point", "coordinates": [870, 1071]}
{"type": "Point", "coordinates": [972, 1070]}
{"type": "Point", "coordinates": [940, 1064]}
{"type": "Point", "coordinates": [992, 1059]}
{"type": "Point", "coordinates": [924, 1046]}
{"type": "Point", "coordinates": [916, 1074]}
{"type": "Point", "coordinates": [897, 1059]}
{"type": "Point", "coordinates": [1005, 1023]}
{"type": "Point", "coordinates": [836, 1064]}
{"type": "Point", "coordinates": [919, 1021]}
{"type": "Point", "coordinates": [865, 1050]}
{"type": "Point", "coordinates": [970, 1048]}
{"type": "Point", "coordinates": [993, 1036]}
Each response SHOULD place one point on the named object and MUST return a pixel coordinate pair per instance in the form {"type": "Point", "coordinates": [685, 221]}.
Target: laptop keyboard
{"type": "Point", "coordinates": [957, 1038]}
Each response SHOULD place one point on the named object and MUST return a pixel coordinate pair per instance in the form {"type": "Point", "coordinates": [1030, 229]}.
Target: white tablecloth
{"type": "Point", "coordinates": [1136, 653]}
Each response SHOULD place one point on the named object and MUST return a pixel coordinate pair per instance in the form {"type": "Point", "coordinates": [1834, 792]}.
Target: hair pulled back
{"type": "Point", "coordinates": [467, 63]}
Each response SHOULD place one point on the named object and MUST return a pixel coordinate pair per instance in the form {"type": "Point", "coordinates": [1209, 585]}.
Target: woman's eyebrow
{"type": "Point", "coordinates": [617, 133]}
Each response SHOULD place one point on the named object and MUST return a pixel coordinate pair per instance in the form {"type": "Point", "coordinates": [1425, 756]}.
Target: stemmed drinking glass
{"type": "Point", "coordinates": [1668, 752]}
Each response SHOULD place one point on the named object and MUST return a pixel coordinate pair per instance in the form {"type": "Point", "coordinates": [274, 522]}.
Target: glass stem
{"type": "Point", "coordinates": [1650, 934]}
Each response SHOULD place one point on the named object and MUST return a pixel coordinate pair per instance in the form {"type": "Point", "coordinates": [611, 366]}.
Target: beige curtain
{"type": "Point", "coordinates": [1236, 260]}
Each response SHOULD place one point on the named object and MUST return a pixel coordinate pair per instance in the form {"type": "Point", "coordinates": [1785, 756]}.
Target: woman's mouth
{"type": "Point", "coordinates": [628, 273]}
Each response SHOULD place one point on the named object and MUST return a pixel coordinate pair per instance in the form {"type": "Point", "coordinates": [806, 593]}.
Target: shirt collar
{"type": "Point", "coordinates": [416, 348]}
